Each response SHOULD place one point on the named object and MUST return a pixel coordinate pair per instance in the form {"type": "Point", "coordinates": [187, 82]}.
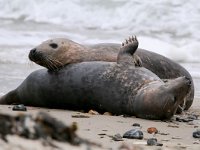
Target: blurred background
{"type": "Point", "coordinates": [170, 28]}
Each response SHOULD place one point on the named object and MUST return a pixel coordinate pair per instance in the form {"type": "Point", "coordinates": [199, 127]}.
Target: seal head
{"type": "Point", "coordinates": [56, 53]}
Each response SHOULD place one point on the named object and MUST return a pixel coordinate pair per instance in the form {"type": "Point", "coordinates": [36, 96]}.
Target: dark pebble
{"type": "Point", "coordinates": [136, 125]}
{"type": "Point", "coordinates": [133, 134]}
{"type": "Point", "coordinates": [19, 107]}
{"type": "Point", "coordinates": [196, 134]}
{"type": "Point", "coordinates": [187, 119]}
{"type": "Point", "coordinates": [153, 142]}
{"type": "Point", "coordinates": [117, 137]}
{"type": "Point", "coordinates": [194, 117]}
{"type": "Point", "coordinates": [159, 144]}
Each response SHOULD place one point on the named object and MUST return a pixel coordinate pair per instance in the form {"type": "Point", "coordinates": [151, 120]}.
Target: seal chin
{"type": "Point", "coordinates": [168, 97]}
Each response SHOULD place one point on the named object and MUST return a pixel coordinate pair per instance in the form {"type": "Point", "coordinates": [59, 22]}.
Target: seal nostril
{"type": "Point", "coordinates": [33, 51]}
{"type": "Point", "coordinates": [32, 54]}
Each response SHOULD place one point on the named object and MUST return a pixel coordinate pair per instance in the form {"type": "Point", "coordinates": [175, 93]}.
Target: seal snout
{"type": "Point", "coordinates": [34, 55]}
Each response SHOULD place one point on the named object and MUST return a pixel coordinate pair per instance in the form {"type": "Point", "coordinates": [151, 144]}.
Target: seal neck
{"type": "Point", "coordinates": [95, 55]}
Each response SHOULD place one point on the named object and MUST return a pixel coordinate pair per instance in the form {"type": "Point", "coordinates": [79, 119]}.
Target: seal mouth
{"type": "Point", "coordinates": [44, 60]}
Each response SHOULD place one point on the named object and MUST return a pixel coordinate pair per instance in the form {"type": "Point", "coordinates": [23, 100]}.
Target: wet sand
{"type": "Point", "coordinates": [100, 129]}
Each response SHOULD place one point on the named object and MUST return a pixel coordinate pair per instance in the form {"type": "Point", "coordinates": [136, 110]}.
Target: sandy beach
{"type": "Point", "coordinates": [100, 129]}
{"type": "Point", "coordinates": [164, 27]}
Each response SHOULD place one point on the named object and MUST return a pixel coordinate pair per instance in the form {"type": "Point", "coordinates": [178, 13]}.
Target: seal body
{"type": "Point", "coordinates": [60, 52]}
{"type": "Point", "coordinates": [162, 66]}
{"type": "Point", "coordinates": [103, 86]}
{"type": "Point", "coordinates": [118, 87]}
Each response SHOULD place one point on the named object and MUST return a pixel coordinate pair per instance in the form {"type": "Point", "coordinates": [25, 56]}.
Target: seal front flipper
{"type": "Point", "coordinates": [10, 98]}
{"type": "Point", "coordinates": [126, 54]}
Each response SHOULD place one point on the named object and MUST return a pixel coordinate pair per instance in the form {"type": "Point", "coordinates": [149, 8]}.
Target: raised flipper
{"type": "Point", "coordinates": [126, 54]}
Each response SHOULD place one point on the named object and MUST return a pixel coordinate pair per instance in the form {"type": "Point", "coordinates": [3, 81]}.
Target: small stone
{"type": "Point", "coordinates": [80, 116]}
{"type": "Point", "coordinates": [176, 137]}
{"type": "Point", "coordinates": [152, 141]}
{"type": "Point", "coordinates": [173, 126]}
{"type": "Point", "coordinates": [133, 134]}
{"type": "Point", "coordinates": [101, 134]}
{"type": "Point", "coordinates": [159, 144]}
{"type": "Point", "coordinates": [196, 134]}
{"type": "Point", "coordinates": [152, 130]}
{"type": "Point", "coordinates": [162, 133]}
{"type": "Point", "coordinates": [93, 112]}
{"type": "Point", "coordinates": [19, 107]}
{"type": "Point", "coordinates": [136, 125]}
{"type": "Point", "coordinates": [196, 142]}
{"type": "Point", "coordinates": [107, 113]}
{"type": "Point", "coordinates": [117, 137]}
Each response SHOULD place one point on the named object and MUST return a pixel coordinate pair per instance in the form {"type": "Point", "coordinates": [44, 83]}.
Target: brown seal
{"type": "Point", "coordinates": [117, 87]}
{"type": "Point", "coordinates": [61, 52]}
{"type": "Point", "coordinates": [56, 53]}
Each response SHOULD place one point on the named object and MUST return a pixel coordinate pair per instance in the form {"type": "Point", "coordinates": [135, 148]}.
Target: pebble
{"type": "Point", "coordinates": [107, 113]}
{"type": "Point", "coordinates": [80, 116]}
{"type": "Point", "coordinates": [173, 126]}
{"type": "Point", "coordinates": [153, 141]}
{"type": "Point", "coordinates": [187, 118]}
{"type": "Point", "coordinates": [19, 107]}
{"type": "Point", "coordinates": [196, 134]}
{"type": "Point", "coordinates": [136, 125]}
{"type": "Point", "coordinates": [117, 137]}
{"type": "Point", "coordinates": [152, 130]}
{"type": "Point", "coordinates": [133, 134]}
{"type": "Point", "coordinates": [93, 112]}
{"type": "Point", "coordinates": [176, 137]}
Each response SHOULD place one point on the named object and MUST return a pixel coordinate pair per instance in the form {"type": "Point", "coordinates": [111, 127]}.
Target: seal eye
{"type": "Point", "coordinates": [53, 45]}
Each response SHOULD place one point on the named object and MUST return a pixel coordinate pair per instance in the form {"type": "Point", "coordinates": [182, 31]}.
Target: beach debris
{"type": "Point", "coordinates": [196, 134]}
{"type": "Point", "coordinates": [162, 133]}
{"type": "Point", "coordinates": [173, 126]}
{"type": "Point", "coordinates": [165, 140]}
{"type": "Point", "coordinates": [93, 112]}
{"type": "Point", "coordinates": [42, 126]}
{"type": "Point", "coordinates": [117, 137]}
{"type": "Point", "coordinates": [152, 130]}
{"type": "Point", "coordinates": [136, 125]}
{"type": "Point", "coordinates": [107, 113]}
{"type": "Point", "coordinates": [133, 134]}
{"type": "Point", "coordinates": [187, 118]}
{"type": "Point", "coordinates": [196, 142]}
{"type": "Point", "coordinates": [177, 137]}
{"type": "Point", "coordinates": [80, 116]}
{"type": "Point", "coordinates": [102, 134]}
{"type": "Point", "coordinates": [19, 107]}
{"type": "Point", "coordinates": [6, 124]}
